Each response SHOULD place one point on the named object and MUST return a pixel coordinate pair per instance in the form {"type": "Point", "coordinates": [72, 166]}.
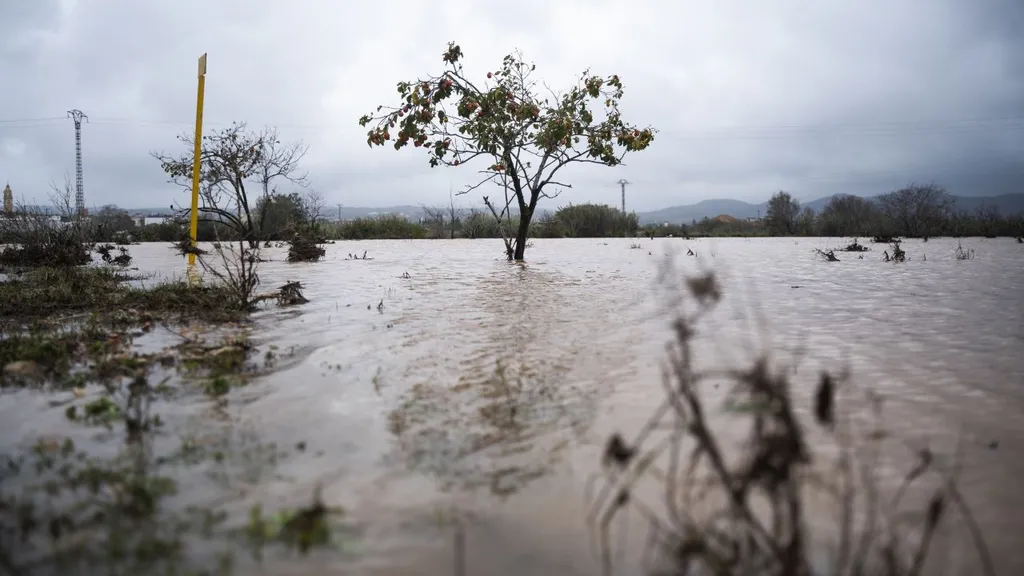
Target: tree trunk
{"type": "Point", "coordinates": [521, 235]}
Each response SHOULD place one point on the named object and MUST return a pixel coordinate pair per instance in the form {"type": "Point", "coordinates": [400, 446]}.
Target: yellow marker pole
{"type": "Point", "coordinates": [196, 160]}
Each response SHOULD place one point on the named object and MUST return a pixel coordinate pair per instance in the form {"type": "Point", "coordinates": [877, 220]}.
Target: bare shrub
{"type": "Point", "coordinates": [962, 254]}
{"type": "Point", "coordinates": [53, 238]}
{"type": "Point", "coordinates": [747, 515]}
{"type": "Point", "coordinates": [237, 270]}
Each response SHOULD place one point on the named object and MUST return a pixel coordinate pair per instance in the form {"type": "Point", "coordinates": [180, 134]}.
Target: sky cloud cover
{"type": "Point", "coordinates": [853, 96]}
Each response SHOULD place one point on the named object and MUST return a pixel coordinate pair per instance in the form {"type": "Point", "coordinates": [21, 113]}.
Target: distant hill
{"type": "Point", "coordinates": [1008, 204]}
{"type": "Point", "coordinates": [703, 209]}
{"type": "Point", "coordinates": [329, 212]}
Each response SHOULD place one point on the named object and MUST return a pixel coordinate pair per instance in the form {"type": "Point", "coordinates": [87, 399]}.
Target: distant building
{"type": "Point", "coordinates": [8, 200]}
{"type": "Point", "coordinates": [143, 220]}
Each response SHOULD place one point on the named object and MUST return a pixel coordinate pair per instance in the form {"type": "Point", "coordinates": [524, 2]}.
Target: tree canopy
{"type": "Point", "coordinates": [782, 213]}
{"type": "Point", "coordinates": [526, 138]}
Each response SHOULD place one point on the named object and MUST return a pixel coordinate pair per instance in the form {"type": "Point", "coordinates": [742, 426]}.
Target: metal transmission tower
{"type": "Point", "coordinates": [78, 116]}
{"type": "Point", "coordinates": [623, 183]}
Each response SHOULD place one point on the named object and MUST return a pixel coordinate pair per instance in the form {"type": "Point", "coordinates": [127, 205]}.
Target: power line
{"type": "Point", "coordinates": [734, 132]}
{"type": "Point", "coordinates": [62, 118]}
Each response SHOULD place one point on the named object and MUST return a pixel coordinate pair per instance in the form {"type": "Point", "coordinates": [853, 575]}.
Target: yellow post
{"type": "Point", "coordinates": [196, 160]}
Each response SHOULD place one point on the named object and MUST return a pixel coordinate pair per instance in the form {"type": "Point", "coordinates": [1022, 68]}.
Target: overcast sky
{"type": "Point", "coordinates": [855, 96]}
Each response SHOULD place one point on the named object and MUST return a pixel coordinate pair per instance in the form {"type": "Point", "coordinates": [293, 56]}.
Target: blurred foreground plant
{"type": "Point", "coordinates": [748, 515]}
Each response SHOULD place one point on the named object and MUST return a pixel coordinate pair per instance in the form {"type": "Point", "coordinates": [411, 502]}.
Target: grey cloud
{"type": "Point", "coordinates": [817, 98]}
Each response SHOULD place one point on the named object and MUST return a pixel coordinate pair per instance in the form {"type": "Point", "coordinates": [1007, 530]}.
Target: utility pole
{"type": "Point", "coordinates": [78, 116]}
{"type": "Point", "coordinates": [623, 183]}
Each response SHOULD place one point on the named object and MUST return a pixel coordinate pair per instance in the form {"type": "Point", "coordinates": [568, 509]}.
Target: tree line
{"type": "Point", "coordinates": [290, 214]}
{"type": "Point", "coordinates": [914, 211]}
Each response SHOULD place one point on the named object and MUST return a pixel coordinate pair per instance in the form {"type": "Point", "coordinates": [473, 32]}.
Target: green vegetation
{"type": "Point", "coordinates": [108, 507]}
{"type": "Point", "coordinates": [70, 508]}
{"type": "Point", "coordinates": [506, 119]}
{"type": "Point", "coordinates": [573, 221]}
{"type": "Point", "coordinates": [44, 292]}
{"type": "Point", "coordinates": [294, 217]}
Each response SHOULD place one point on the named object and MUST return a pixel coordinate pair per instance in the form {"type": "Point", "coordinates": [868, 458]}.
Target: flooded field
{"type": "Point", "coordinates": [436, 384]}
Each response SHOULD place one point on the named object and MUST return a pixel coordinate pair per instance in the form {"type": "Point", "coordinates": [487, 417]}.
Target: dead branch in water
{"type": "Point", "coordinates": [288, 295]}
{"type": "Point", "coordinates": [898, 255]}
{"type": "Point", "coordinates": [828, 255]}
{"type": "Point", "coordinates": [752, 518]}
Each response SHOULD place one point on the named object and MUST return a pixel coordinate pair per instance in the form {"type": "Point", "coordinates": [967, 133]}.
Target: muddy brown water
{"type": "Point", "coordinates": [388, 373]}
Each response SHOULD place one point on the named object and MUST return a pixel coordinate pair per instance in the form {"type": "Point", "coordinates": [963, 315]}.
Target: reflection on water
{"type": "Point", "coordinates": [438, 384]}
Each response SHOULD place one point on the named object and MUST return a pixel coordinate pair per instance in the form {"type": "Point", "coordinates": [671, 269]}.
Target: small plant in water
{"type": "Point", "coordinates": [962, 254]}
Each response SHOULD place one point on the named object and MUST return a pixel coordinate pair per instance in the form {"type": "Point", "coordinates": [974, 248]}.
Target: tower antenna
{"type": "Point", "coordinates": [623, 183]}
{"type": "Point", "coordinates": [78, 116]}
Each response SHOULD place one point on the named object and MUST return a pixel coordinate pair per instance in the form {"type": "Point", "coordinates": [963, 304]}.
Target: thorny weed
{"type": "Point", "coordinates": [752, 517]}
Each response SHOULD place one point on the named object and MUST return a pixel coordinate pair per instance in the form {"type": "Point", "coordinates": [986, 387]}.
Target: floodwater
{"type": "Point", "coordinates": [389, 365]}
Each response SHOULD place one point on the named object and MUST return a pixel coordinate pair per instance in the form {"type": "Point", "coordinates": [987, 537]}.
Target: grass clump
{"type": "Point", "coordinates": [43, 292]}
{"type": "Point", "coordinates": [39, 355]}
{"type": "Point", "coordinates": [304, 249]}
{"type": "Point", "coordinates": [66, 510]}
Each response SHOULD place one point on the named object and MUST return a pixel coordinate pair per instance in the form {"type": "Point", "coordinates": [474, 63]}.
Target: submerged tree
{"type": "Point", "coordinates": [528, 139]}
{"type": "Point", "coordinates": [916, 210]}
{"type": "Point", "coordinates": [783, 212]}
